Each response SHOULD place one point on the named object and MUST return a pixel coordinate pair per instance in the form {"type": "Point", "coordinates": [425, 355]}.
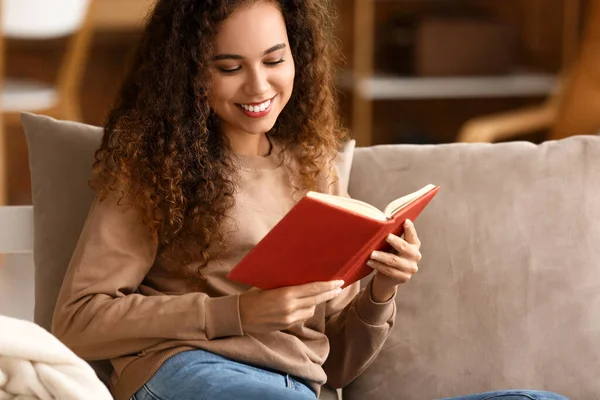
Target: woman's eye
{"type": "Point", "coordinates": [274, 62]}
{"type": "Point", "coordinates": [229, 70]}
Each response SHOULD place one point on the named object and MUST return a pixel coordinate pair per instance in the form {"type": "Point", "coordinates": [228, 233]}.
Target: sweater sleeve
{"type": "Point", "coordinates": [98, 313]}
{"type": "Point", "coordinates": [357, 328]}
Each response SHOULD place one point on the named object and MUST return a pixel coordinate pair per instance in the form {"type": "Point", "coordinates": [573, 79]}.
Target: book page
{"type": "Point", "coordinates": [350, 204]}
{"type": "Point", "coordinates": [403, 201]}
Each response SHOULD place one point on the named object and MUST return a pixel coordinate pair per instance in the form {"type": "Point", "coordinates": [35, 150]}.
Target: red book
{"type": "Point", "coordinates": [326, 237]}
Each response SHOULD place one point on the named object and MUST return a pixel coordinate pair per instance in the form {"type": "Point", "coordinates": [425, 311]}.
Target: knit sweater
{"type": "Point", "coordinates": [125, 300]}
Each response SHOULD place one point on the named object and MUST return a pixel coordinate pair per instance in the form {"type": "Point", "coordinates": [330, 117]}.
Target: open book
{"type": "Point", "coordinates": [367, 209]}
{"type": "Point", "coordinates": [326, 237]}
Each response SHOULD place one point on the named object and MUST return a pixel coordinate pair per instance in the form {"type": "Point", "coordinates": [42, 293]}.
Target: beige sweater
{"type": "Point", "coordinates": [121, 302]}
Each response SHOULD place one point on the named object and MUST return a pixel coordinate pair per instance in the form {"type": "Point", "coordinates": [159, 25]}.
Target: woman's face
{"type": "Point", "coordinates": [253, 70]}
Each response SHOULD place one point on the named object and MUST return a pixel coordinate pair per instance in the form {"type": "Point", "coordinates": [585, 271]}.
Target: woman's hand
{"type": "Point", "coordinates": [394, 269]}
{"type": "Point", "coordinates": [263, 311]}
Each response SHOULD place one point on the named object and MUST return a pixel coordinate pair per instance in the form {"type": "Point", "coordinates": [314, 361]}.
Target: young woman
{"type": "Point", "coordinates": [226, 119]}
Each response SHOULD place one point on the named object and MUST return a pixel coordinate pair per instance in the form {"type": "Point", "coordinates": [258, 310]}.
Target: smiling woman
{"type": "Point", "coordinates": [226, 119]}
{"type": "Point", "coordinates": [193, 96]}
{"type": "Point", "coordinates": [252, 80]}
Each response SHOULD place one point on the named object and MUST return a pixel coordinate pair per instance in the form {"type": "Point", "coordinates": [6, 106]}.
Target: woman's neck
{"type": "Point", "coordinates": [251, 145]}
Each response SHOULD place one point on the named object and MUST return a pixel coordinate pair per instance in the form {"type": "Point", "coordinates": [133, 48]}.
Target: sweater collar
{"type": "Point", "coordinates": [257, 163]}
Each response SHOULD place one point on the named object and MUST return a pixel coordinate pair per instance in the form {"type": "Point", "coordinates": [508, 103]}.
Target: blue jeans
{"type": "Point", "coordinates": [512, 395]}
{"type": "Point", "coordinates": [201, 375]}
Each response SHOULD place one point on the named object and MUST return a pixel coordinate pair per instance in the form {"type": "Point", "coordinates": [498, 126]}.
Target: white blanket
{"type": "Point", "coordinates": [36, 365]}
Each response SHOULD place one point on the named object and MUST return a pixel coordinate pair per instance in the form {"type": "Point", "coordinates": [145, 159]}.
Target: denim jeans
{"type": "Point", "coordinates": [201, 375]}
{"type": "Point", "coordinates": [512, 395]}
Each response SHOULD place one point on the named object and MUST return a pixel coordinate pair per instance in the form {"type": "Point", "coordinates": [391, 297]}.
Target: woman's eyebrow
{"type": "Point", "coordinates": [238, 57]}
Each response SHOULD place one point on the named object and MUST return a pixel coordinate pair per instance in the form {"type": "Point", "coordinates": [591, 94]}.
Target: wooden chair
{"type": "Point", "coordinates": [511, 124]}
{"type": "Point", "coordinates": [39, 20]}
{"type": "Point", "coordinates": [50, 20]}
{"type": "Point", "coordinates": [572, 109]}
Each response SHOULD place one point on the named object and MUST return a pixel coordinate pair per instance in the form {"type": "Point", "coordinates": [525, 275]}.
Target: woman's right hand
{"type": "Point", "coordinates": [264, 311]}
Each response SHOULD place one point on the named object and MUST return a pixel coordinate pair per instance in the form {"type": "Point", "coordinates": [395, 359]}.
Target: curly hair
{"type": "Point", "coordinates": [162, 152]}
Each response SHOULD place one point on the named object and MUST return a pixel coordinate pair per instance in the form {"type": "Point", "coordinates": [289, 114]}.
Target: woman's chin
{"type": "Point", "coordinates": [258, 128]}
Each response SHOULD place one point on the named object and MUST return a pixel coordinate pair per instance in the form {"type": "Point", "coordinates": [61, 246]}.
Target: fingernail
{"type": "Point", "coordinates": [339, 283]}
{"type": "Point", "coordinates": [371, 263]}
{"type": "Point", "coordinates": [390, 238]}
{"type": "Point", "coordinates": [408, 223]}
{"type": "Point", "coordinates": [337, 292]}
{"type": "Point", "coordinates": [375, 254]}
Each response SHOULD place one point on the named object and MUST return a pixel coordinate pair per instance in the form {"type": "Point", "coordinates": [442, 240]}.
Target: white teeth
{"type": "Point", "coordinates": [257, 108]}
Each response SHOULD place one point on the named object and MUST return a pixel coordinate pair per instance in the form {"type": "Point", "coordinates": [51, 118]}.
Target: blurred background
{"type": "Point", "coordinates": [415, 71]}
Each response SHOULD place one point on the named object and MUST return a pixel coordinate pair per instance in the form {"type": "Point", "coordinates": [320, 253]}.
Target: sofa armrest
{"type": "Point", "coordinates": [16, 229]}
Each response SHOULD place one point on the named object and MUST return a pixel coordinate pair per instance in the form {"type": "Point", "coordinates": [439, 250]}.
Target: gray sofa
{"type": "Point", "coordinates": [508, 292]}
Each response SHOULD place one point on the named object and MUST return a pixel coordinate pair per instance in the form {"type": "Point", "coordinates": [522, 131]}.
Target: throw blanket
{"type": "Point", "coordinates": [36, 365]}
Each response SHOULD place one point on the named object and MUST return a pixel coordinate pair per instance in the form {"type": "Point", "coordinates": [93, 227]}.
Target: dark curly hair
{"type": "Point", "coordinates": [162, 152]}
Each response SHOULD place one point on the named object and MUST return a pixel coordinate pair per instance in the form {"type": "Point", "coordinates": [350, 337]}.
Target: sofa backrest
{"type": "Point", "coordinates": [508, 291]}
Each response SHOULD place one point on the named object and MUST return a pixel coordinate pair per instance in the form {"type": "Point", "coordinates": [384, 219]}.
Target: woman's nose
{"type": "Point", "coordinates": [257, 82]}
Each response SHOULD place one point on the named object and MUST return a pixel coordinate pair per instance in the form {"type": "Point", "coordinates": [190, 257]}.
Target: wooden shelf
{"type": "Point", "coordinates": [368, 86]}
{"type": "Point", "coordinates": [389, 87]}
{"type": "Point", "coordinates": [121, 14]}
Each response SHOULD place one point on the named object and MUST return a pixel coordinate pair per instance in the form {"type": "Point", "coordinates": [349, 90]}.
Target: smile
{"type": "Point", "coordinates": [256, 110]}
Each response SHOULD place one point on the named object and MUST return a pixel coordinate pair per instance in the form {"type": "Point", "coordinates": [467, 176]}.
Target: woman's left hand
{"type": "Point", "coordinates": [394, 269]}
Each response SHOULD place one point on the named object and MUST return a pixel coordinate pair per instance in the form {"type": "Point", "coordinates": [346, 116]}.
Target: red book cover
{"type": "Point", "coordinates": [318, 241]}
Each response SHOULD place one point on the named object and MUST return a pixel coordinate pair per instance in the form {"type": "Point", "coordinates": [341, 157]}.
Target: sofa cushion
{"type": "Point", "coordinates": [60, 159]}
{"type": "Point", "coordinates": [508, 292]}
{"type": "Point", "coordinates": [344, 162]}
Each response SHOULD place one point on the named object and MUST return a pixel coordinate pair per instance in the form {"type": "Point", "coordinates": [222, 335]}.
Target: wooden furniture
{"type": "Point", "coordinates": [3, 161]}
{"type": "Point", "coordinates": [577, 112]}
{"type": "Point", "coordinates": [56, 19]}
{"type": "Point", "coordinates": [3, 152]}
{"type": "Point", "coordinates": [59, 18]}
{"type": "Point", "coordinates": [367, 87]}
{"type": "Point", "coordinates": [111, 15]}
{"type": "Point", "coordinates": [508, 125]}
{"type": "Point", "coordinates": [571, 110]}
